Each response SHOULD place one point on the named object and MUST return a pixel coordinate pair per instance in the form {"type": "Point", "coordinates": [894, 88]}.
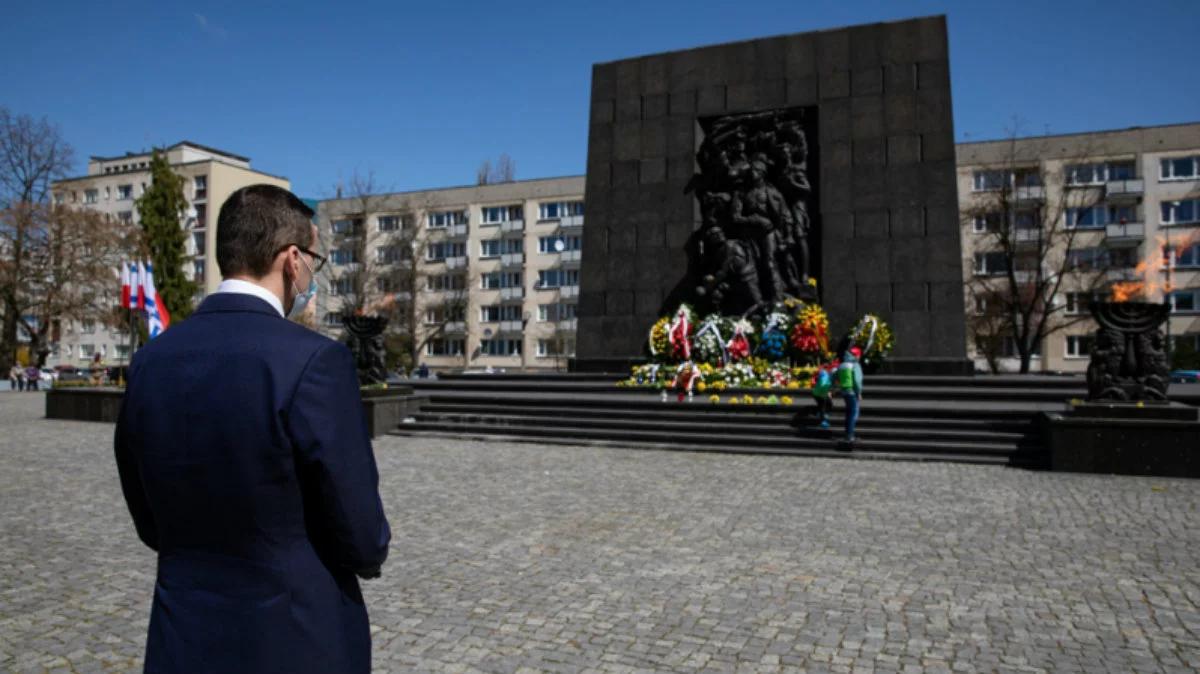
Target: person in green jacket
{"type": "Point", "coordinates": [849, 381]}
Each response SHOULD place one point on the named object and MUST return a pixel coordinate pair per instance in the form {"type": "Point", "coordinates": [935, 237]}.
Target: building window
{"type": "Point", "coordinates": [501, 279]}
{"type": "Point", "coordinates": [494, 215]}
{"type": "Point", "coordinates": [388, 223]}
{"type": "Point", "coordinates": [1086, 259]}
{"type": "Point", "coordinates": [333, 319]}
{"type": "Point", "coordinates": [347, 226]}
{"type": "Point", "coordinates": [1098, 174]}
{"type": "Point", "coordinates": [445, 347]}
{"type": "Point", "coordinates": [555, 347]}
{"type": "Point", "coordinates": [556, 210]}
{"type": "Point", "coordinates": [557, 312]}
{"type": "Point", "coordinates": [557, 278]}
{"type": "Point", "coordinates": [87, 350]}
{"type": "Point", "coordinates": [91, 196]}
{"type": "Point", "coordinates": [1184, 212]}
{"type": "Point", "coordinates": [342, 256]}
{"type": "Point", "coordinates": [440, 250]}
{"type": "Point", "coordinates": [445, 314]}
{"type": "Point", "coordinates": [1179, 168]}
{"type": "Point", "coordinates": [122, 351]}
{"type": "Point", "coordinates": [1080, 303]}
{"type": "Point", "coordinates": [1185, 301]}
{"type": "Point", "coordinates": [444, 219]}
{"type": "Point", "coordinates": [108, 194]}
{"type": "Point", "coordinates": [124, 192]}
{"type": "Point", "coordinates": [201, 215]}
{"type": "Point", "coordinates": [1187, 258]}
{"type": "Point", "coordinates": [500, 347]}
{"type": "Point", "coordinates": [198, 271]}
{"type": "Point", "coordinates": [1096, 217]}
{"type": "Point", "coordinates": [201, 187]}
{"type": "Point", "coordinates": [198, 243]}
{"type": "Point", "coordinates": [343, 285]}
{"type": "Point", "coordinates": [990, 264]}
{"type": "Point", "coordinates": [437, 282]}
{"type": "Point", "coordinates": [495, 313]}
{"type": "Point", "coordinates": [125, 217]}
{"type": "Point", "coordinates": [392, 254]}
{"type": "Point", "coordinates": [87, 327]}
{"type": "Point", "coordinates": [497, 247]}
{"type": "Point", "coordinates": [1079, 346]}
{"type": "Point", "coordinates": [558, 244]}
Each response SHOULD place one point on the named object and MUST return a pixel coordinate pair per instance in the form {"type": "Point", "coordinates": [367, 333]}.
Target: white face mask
{"type": "Point", "coordinates": [303, 298]}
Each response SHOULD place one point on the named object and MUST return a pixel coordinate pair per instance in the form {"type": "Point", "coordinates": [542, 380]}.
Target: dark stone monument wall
{"type": "Point", "coordinates": [887, 193]}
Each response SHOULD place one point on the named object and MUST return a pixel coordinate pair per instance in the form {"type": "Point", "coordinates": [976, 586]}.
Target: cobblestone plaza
{"type": "Point", "coordinates": [521, 558]}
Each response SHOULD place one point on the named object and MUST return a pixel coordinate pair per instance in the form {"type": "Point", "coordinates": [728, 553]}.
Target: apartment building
{"type": "Point", "coordinates": [495, 267]}
{"type": "Point", "coordinates": [1107, 201]}
{"type": "Point", "coordinates": [111, 186]}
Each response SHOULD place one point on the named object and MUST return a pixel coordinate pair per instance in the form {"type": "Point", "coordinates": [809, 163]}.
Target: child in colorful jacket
{"type": "Point", "coordinates": [822, 390]}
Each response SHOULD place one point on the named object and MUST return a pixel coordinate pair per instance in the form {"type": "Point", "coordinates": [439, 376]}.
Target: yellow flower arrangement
{"type": "Point", "coordinates": [700, 386]}
{"type": "Point", "coordinates": [714, 398]}
{"type": "Point", "coordinates": [786, 400]}
{"type": "Point", "coordinates": [659, 340]}
{"type": "Point", "coordinates": [748, 399]}
{"type": "Point", "coordinates": [734, 401]}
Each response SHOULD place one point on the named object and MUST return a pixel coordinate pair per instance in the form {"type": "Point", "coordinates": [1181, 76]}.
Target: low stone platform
{"type": "Point", "coordinates": [1124, 438]}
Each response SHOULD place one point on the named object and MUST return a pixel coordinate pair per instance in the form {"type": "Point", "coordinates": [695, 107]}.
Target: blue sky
{"type": "Point", "coordinates": [421, 93]}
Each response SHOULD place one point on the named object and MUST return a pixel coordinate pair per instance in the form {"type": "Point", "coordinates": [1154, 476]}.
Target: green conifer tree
{"type": "Point", "coordinates": [161, 209]}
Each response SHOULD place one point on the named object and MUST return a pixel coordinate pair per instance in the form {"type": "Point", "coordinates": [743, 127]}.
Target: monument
{"type": "Point", "coordinates": [818, 166]}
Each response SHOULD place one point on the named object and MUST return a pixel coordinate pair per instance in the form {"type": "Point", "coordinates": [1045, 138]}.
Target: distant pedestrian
{"type": "Point", "coordinates": [16, 377]}
{"type": "Point", "coordinates": [849, 382]}
{"type": "Point", "coordinates": [31, 378]}
{"type": "Point", "coordinates": [423, 371]}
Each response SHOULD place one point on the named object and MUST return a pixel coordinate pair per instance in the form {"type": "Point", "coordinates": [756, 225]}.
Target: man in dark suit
{"type": "Point", "coordinates": [246, 464]}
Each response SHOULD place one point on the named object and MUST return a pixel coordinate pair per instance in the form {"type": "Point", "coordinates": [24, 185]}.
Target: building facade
{"type": "Point", "coordinates": [1099, 209]}
{"type": "Point", "coordinates": [112, 185]}
{"type": "Point", "coordinates": [488, 275]}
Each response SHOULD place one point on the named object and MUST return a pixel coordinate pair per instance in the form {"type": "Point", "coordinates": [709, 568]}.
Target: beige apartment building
{"type": "Point", "coordinates": [111, 186]}
{"type": "Point", "coordinates": [497, 268]}
{"type": "Point", "coordinates": [1120, 198]}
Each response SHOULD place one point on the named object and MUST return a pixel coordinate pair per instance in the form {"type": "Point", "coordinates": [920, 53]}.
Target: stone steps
{"type": "Point", "coordinates": [898, 421]}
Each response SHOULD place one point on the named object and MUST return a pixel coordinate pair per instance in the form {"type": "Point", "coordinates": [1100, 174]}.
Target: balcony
{"type": "Point", "coordinates": [455, 327]}
{"type": "Point", "coordinates": [1131, 188]}
{"type": "Point", "coordinates": [570, 222]}
{"type": "Point", "coordinates": [510, 326]}
{"type": "Point", "coordinates": [512, 226]}
{"type": "Point", "coordinates": [1123, 274]}
{"type": "Point", "coordinates": [455, 262]}
{"type": "Point", "coordinates": [1029, 193]}
{"type": "Point", "coordinates": [456, 231]}
{"type": "Point", "coordinates": [1124, 234]}
{"type": "Point", "coordinates": [570, 258]}
{"type": "Point", "coordinates": [514, 293]}
{"type": "Point", "coordinates": [1027, 237]}
{"type": "Point", "coordinates": [567, 325]}
{"type": "Point", "coordinates": [512, 260]}
{"type": "Point", "coordinates": [568, 291]}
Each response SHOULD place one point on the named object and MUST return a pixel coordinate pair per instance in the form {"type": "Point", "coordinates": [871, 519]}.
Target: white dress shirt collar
{"type": "Point", "coordinates": [247, 288]}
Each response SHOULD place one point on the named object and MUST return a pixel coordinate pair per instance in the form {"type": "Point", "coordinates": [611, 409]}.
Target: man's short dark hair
{"type": "Point", "coordinates": [255, 223]}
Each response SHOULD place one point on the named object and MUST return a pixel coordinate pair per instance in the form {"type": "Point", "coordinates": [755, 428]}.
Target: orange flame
{"type": "Point", "coordinates": [1152, 285]}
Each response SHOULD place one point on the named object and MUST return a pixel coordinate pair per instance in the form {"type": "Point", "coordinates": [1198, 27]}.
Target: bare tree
{"type": "Point", "coordinates": [55, 263]}
{"type": "Point", "coordinates": [503, 171]}
{"type": "Point", "coordinates": [1034, 229]}
{"type": "Point", "coordinates": [378, 243]}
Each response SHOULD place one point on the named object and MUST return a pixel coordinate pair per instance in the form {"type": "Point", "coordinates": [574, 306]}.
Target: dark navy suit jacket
{"type": "Point", "coordinates": [246, 464]}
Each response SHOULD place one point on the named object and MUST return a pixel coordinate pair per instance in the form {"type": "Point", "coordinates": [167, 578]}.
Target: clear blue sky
{"type": "Point", "coordinates": [421, 93]}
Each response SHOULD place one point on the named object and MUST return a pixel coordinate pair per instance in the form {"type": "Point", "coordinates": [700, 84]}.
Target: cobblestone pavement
{"type": "Point", "coordinates": [519, 558]}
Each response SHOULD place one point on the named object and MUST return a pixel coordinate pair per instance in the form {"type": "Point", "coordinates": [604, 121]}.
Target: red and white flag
{"type": "Point", "coordinates": [124, 285]}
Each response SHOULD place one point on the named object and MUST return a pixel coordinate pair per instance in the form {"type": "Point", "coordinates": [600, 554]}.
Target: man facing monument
{"type": "Point", "coordinates": [246, 465]}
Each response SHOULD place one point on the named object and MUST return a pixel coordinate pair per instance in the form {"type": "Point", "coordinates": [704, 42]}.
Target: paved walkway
{"type": "Point", "coordinates": [516, 557]}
